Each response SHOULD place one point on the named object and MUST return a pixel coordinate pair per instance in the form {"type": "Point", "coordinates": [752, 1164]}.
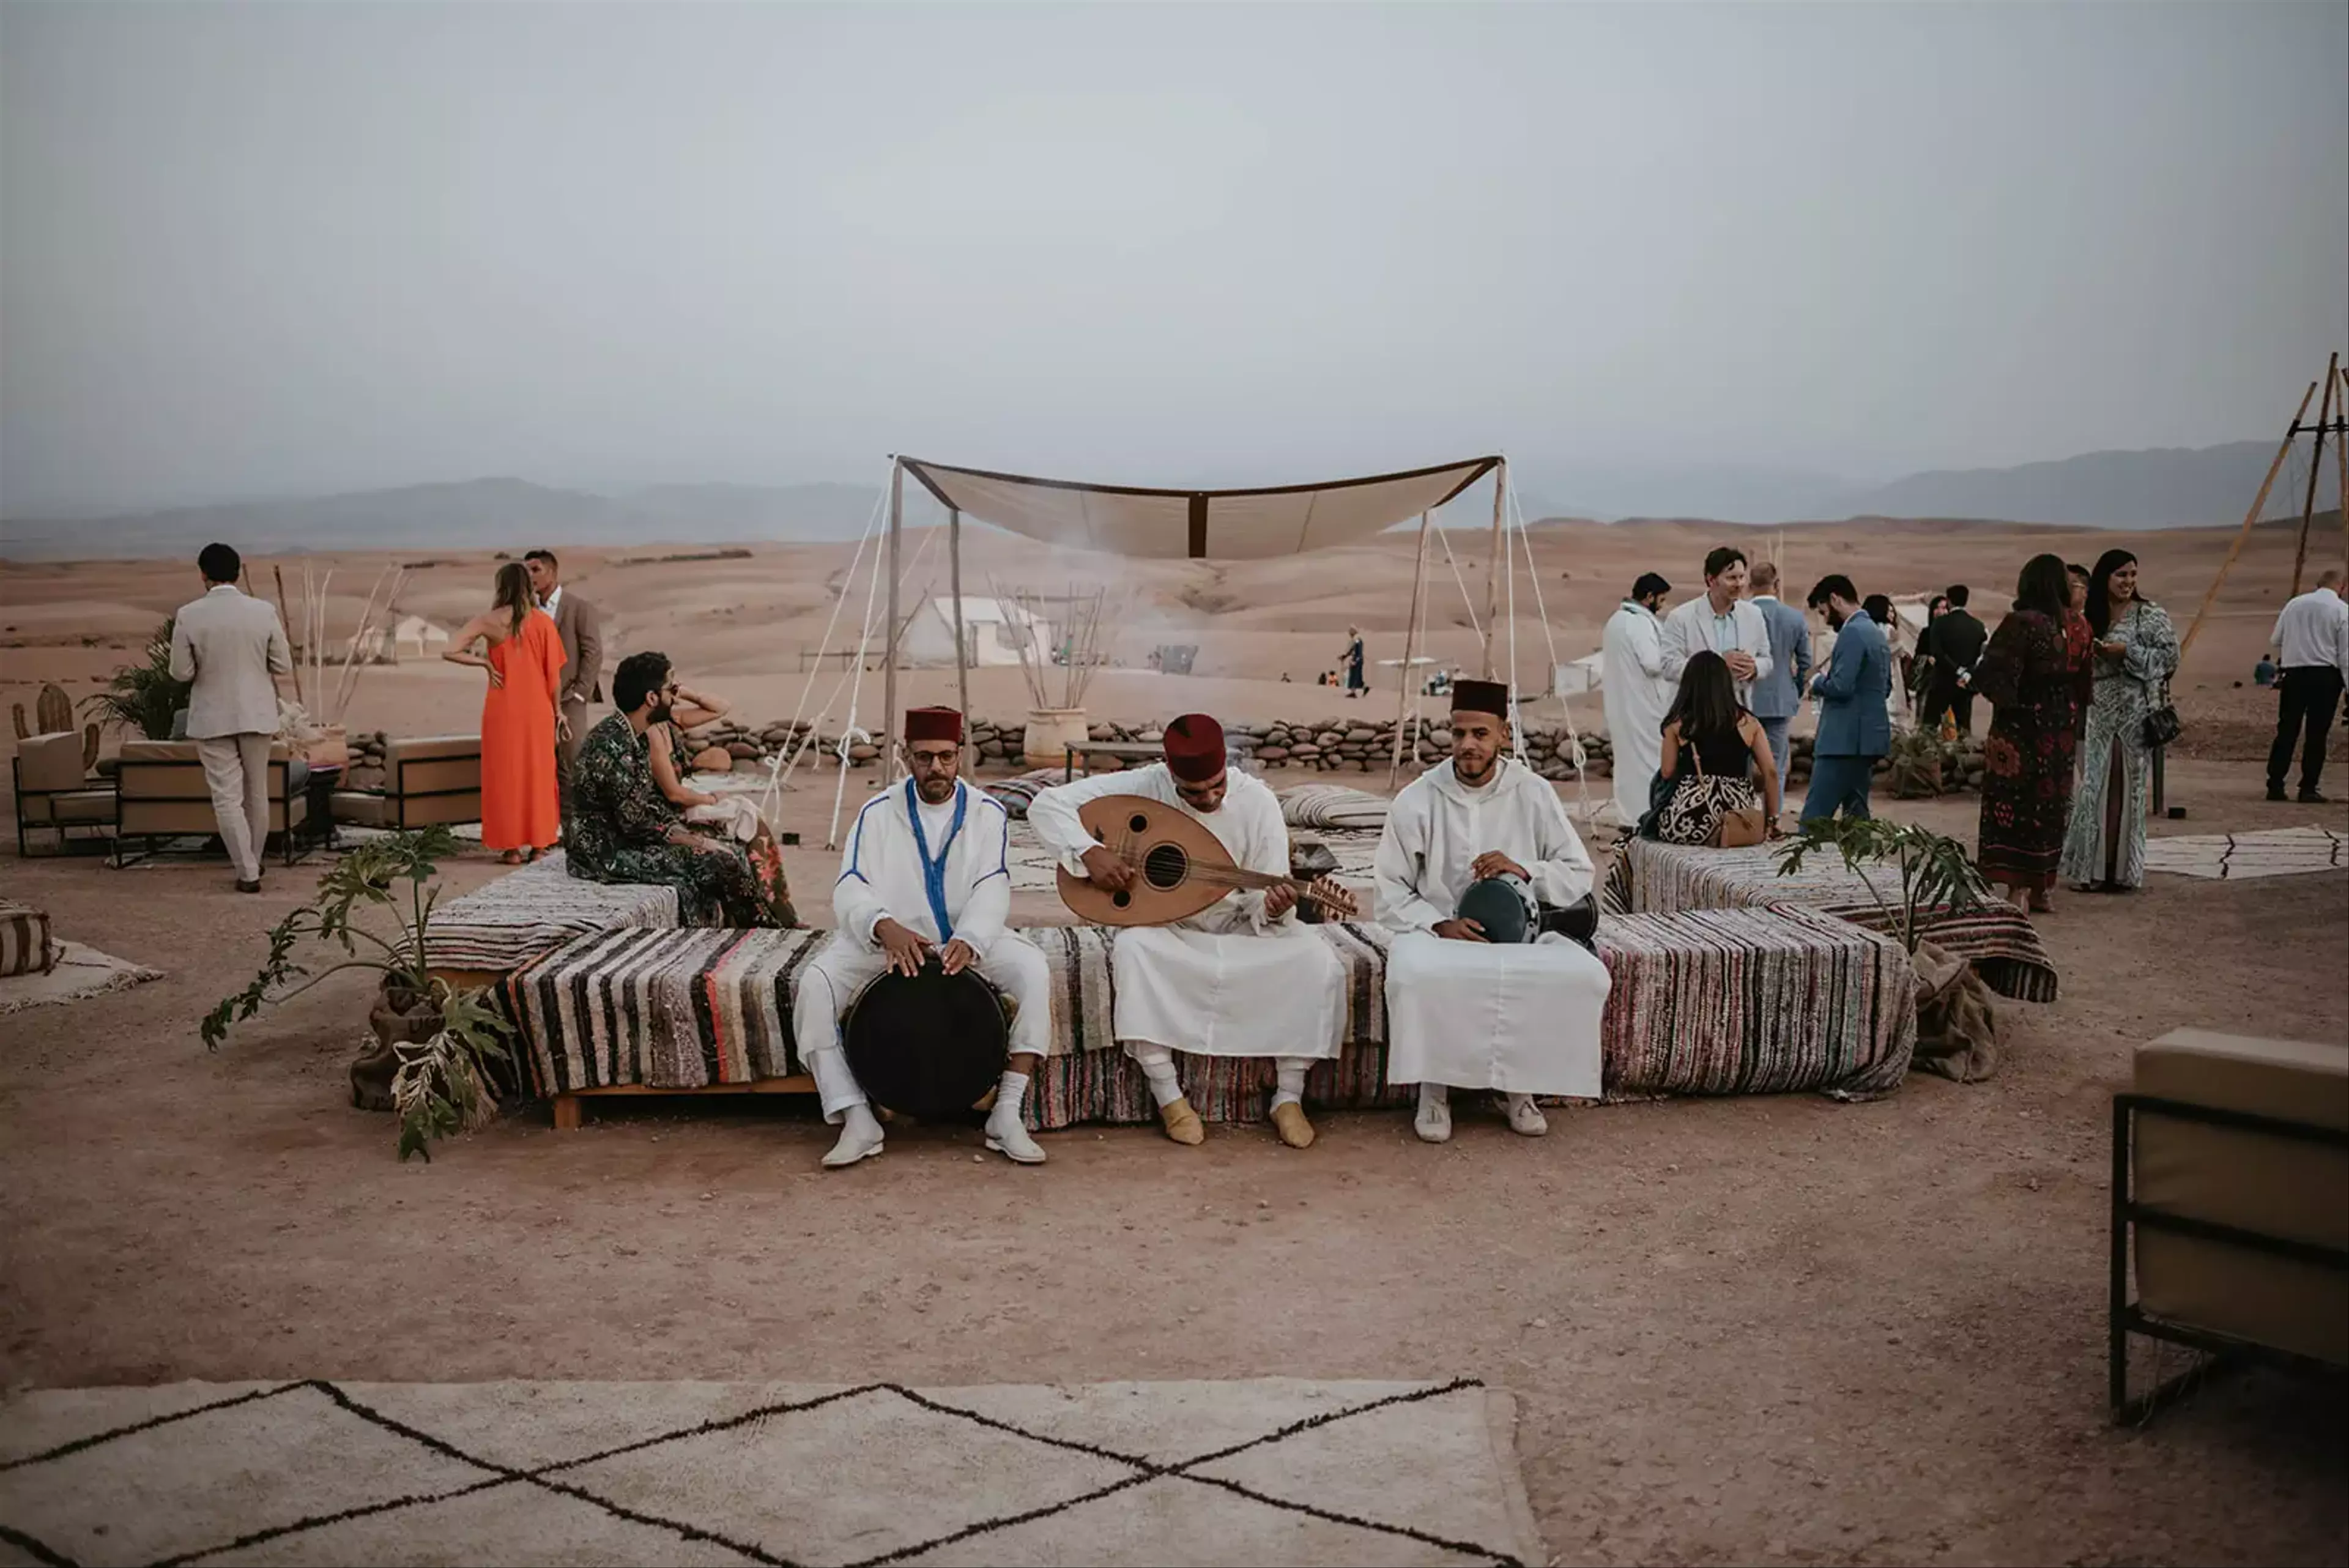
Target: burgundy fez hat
{"type": "Point", "coordinates": [1481, 697]}
{"type": "Point", "coordinates": [1195, 748]}
{"type": "Point", "coordinates": [932, 724]}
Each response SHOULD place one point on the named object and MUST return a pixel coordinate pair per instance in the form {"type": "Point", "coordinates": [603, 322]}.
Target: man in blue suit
{"type": "Point", "coordinates": [1778, 696]}
{"type": "Point", "coordinates": [1855, 729]}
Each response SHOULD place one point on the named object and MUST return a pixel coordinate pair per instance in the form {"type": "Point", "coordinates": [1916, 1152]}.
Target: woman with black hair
{"type": "Point", "coordinates": [2136, 654]}
{"type": "Point", "coordinates": [1713, 753]}
{"type": "Point", "coordinates": [2026, 799]}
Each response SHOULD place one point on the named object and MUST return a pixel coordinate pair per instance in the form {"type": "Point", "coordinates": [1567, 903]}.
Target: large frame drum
{"type": "Point", "coordinates": [931, 1046]}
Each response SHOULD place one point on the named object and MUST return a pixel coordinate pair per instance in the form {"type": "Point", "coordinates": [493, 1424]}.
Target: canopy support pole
{"type": "Point", "coordinates": [962, 656]}
{"type": "Point", "coordinates": [889, 678]}
{"type": "Point", "coordinates": [2341, 464]}
{"type": "Point", "coordinates": [1409, 648]}
{"type": "Point", "coordinates": [2250, 520]}
{"type": "Point", "coordinates": [2316, 468]}
{"type": "Point", "coordinates": [1493, 576]}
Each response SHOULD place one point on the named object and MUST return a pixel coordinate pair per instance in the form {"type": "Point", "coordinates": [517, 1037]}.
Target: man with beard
{"type": "Point", "coordinates": [1478, 996]}
{"type": "Point", "coordinates": [1636, 693]}
{"type": "Point", "coordinates": [624, 829]}
{"type": "Point", "coordinates": [1855, 728]}
{"type": "Point", "coordinates": [1241, 978]}
{"type": "Point", "coordinates": [927, 873]}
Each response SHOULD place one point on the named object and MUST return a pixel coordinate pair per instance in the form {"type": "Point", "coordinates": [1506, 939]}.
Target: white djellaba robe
{"type": "Point", "coordinates": [1637, 695]}
{"type": "Point", "coordinates": [1520, 1018]}
{"type": "Point", "coordinates": [883, 875]}
{"type": "Point", "coordinates": [1224, 982]}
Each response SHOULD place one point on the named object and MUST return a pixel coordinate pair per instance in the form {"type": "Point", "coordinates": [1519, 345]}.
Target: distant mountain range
{"type": "Point", "coordinates": [2168, 488]}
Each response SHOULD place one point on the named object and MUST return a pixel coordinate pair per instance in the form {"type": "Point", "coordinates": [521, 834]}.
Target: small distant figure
{"type": "Point", "coordinates": [1355, 684]}
{"type": "Point", "coordinates": [2312, 636]}
{"type": "Point", "coordinates": [231, 646]}
{"type": "Point", "coordinates": [2263, 673]}
{"type": "Point", "coordinates": [1958, 642]}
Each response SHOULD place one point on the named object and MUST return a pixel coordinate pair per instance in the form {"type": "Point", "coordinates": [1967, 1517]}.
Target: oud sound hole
{"type": "Point", "coordinates": [1166, 867]}
{"type": "Point", "coordinates": [1137, 823]}
{"type": "Point", "coordinates": [1121, 898]}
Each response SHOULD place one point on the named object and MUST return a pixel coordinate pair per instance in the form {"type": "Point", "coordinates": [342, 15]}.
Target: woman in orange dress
{"type": "Point", "coordinates": [521, 810]}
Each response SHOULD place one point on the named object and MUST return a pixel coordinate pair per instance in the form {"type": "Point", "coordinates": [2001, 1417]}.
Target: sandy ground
{"type": "Point", "coordinates": [1772, 1329]}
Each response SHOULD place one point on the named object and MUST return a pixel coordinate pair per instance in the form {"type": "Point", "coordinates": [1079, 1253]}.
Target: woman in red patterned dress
{"type": "Point", "coordinates": [2028, 675]}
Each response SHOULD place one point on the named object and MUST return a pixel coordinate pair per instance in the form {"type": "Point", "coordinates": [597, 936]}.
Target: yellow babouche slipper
{"type": "Point", "coordinates": [1288, 1120]}
{"type": "Point", "coordinates": [1181, 1122]}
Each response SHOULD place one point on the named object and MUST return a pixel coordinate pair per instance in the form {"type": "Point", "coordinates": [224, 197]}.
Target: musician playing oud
{"type": "Point", "coordinates": [927, 873]}
{"type": "Point", "coordinates": [1243, 977]}
{"type": "Point", "coordinates": [1491, 1002]}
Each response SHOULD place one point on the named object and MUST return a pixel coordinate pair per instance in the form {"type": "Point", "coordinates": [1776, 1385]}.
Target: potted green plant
{"type": "Point", "coordinates": [143, 697]}
{"type": "Point", "coordinates": [435, 1046]}
{"type": "Point", "coordinates": [1957, 1033]}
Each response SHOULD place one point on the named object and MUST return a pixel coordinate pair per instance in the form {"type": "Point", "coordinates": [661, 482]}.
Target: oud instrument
{"type": "Point", "coordinates": [1181, 867]}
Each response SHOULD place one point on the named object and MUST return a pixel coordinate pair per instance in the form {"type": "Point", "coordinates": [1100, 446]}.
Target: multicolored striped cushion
{"type": "Point", "coordinates": [26, 946]}
{"type": "Point", "coordinates": [529, 913]}
{"type": "Point", "coordinates": [1650, 879]}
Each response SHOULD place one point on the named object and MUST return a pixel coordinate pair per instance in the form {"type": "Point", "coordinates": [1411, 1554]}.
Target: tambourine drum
{"type": "Point", "coordinates": [1504, 908]}
{"type": "Point", "coordinates": [929, 1047]}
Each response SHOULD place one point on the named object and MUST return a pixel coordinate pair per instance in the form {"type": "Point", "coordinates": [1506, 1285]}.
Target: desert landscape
{"type": "Point", "coordinates": [1774, 1327]}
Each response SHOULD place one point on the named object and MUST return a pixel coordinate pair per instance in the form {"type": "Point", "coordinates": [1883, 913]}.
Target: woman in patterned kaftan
{"type": "Point", "coordinates": [2026, 799]}
{"type": "Point", "coordinates": [624, 829]}
{"type": "Point", "coordinates": [2136, 653]}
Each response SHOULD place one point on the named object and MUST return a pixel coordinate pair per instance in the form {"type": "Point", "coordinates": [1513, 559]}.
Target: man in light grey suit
{"type": "Point", "coordinates": [581, 631]}
{"type": "Point", "coordinates": [1778, 694]}
{"type": "Point", "coordinates": [232, 648]}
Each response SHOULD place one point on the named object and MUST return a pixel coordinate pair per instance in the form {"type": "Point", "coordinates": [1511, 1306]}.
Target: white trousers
{"type": "Point", "coordinates": [236, 770]}
{"type": "Point", "coordinates": [1484, 1015]}
{"type": "Point", "coordinates": [837, 975]}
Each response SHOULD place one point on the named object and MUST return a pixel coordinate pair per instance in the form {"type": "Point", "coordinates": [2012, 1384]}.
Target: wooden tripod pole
{"type": "Point", "coordinates": [1409, 648]}
{"type": "Point", "coordinates": [1493, 577]}
{"type": "Point", "coordinates": [2341, 467]}
{"type": "Point", "coordinates": [2251, 519]}
{"type": "Point", "coordinates": [889, 675]}
{"type": "Point", "coordinates": [2316, 467]}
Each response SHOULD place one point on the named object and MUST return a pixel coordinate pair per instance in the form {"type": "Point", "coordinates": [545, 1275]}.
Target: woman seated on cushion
{"type": "Point", "coordinates": [717, 816]}
{"type": "Point", "coordinates": [1713, 753]}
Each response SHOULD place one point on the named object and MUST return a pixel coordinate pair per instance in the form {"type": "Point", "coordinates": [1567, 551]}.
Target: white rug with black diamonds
{"type": "Point", "coordinates": [2236, 857]}
{"type": "Point", "coordinates": [1259, 1471]}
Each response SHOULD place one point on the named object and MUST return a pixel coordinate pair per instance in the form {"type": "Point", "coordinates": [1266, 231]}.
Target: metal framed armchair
{"type": "Point", "coordinates": [55, 794]}
{"type": "Point", "coordinates": [2231, 1196]}
{"type": "Point", "coordinates": [427, 780]}
{"type": "Point", "coordinates": [162, 794]}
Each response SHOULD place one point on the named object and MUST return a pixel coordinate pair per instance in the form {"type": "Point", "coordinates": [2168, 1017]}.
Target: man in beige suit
{"type": "Point", "coordinates": [582, 630]}
{"type": "Point", "coordinates": [232, 648]}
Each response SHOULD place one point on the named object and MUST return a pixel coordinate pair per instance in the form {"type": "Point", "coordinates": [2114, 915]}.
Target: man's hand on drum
{"type": "Point", "coordinates": [1492, 863]}
{"type": "Point", "coordinates": [956, 957]}
{"type": "Point", "coordinates": [1106, 871]}
{"type": "Point", "coordinates": [906, 949]}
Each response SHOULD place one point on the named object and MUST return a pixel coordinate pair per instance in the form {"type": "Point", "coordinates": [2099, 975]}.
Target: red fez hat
{"type": "Point", "coordinates": [1481, 697]}
{"type": "Point", "coordinates": [932, 724]}
{"type": "Point", "coordinates": [1195, 748]}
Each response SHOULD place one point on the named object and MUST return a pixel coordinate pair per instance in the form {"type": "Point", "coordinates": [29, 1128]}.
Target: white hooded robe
{"type": "Point", "coordinates": [1519, 1018]}
{"type": "Point", "coordinates": [1224, 982]}
{"type": "Point", "coordinates": [1637, 695]}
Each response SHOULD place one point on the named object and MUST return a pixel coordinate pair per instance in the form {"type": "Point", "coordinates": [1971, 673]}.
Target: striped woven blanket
{"type": "Point", "coordinates": [1333, 806]}
{"type": "Point", "coordinates": [1724, 1001]}
{"type": "Point", "coordinates": [530, 912]}
{"type": "Point", "coordinates": [1650, 879]}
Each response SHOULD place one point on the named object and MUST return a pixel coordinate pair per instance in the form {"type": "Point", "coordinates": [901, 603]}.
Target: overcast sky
{"type": "Point", "coordinates": [251, 250]}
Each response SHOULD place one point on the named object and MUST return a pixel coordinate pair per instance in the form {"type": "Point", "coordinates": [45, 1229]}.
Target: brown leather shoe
{"type": "Point", "coordinates": [1288, 1121]}
{"type": "Point", "coordinates": [1181, 1122]}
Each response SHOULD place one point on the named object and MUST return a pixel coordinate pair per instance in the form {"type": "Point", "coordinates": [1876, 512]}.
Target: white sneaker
{"type": "Point", "coordinates": [1007, 1135]}
{"type": "Point", "coordinates": [1524, 1116]}
{"type": "Point", "coordinates": [1433, 1123]}
{"type": "Point", "coordinates": [860, 1136]}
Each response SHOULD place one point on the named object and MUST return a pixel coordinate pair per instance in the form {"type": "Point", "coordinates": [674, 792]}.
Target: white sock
{"type": "Point", "coordinates": [1158, 1066]}
{"type": "Point", "coordinates": [1434, 1094]}
{"type": "Point", "coordinates": [1291, 1090]}
{"type": "Point", "coordinates": [860, 1120]}
{"type": "Point", "coordinates": [1010, 1095]}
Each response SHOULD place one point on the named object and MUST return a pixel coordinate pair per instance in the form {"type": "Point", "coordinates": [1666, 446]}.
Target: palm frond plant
{"type": "Point", "coordinates": [1935, 870]}
{"type": "Point", "coordinates": [143, 697]}
{"type": "Point", "coordinates": [441, 1040]}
